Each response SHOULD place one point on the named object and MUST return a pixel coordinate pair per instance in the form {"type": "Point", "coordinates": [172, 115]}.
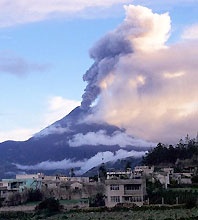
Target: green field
{"type": "Point", "coordinates": [149, 214]}
{"type": "Point", "coordinates": [135, 215]}
{"type": "Point", "coordinates": [187, 189]}
{"type": "Point", "coordinates": [68, 202]}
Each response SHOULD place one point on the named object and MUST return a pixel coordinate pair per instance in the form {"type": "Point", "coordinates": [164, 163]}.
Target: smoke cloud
{"type": "Point", "coordinates": [142, 83]}
{"type": "Point", "coordinates": [101, 138]}
{"type": "Point", "coordinates": [136, 32]}
{"type": "Point", "coordinates": [106, 54]}
{"type": "Point", "coordinates": [84, 165]}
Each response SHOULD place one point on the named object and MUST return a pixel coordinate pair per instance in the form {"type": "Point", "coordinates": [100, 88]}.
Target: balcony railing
{"type": "Point", "coordinates": [132, 192]}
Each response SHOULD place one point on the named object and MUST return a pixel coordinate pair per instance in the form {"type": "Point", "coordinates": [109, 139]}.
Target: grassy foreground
{"type": "Point", "coordinates": [149, 214]}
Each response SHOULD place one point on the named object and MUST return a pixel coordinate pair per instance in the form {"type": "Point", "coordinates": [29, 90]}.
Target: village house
{"type": "Point", "coordinates": [128, 191]}
{"type": "Point", "coordinates": [120, 187]}
{"type": "Point", "coordinates": [162, 177]}
{"type": "Point", "coordinates": [36, 176]}
{"type": "Point", "coordinates": [182, 178]}
{"type": "Point", "coordinates": [144, 170]}
{"type": "Point", "coordinates": [59, 187]}
{"type": "Point", "coordinates": [19, 185]}
{"type": "Point", "coordinates": [119, 174]}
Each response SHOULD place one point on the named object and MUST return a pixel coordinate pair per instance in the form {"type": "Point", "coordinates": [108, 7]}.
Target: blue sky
{"type": "Point", "coordinates": [45, 54]}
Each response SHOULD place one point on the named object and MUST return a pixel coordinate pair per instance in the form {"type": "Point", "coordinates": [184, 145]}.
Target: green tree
{"type": "Point", "coordinates": [128, 165]}
{"type": "Point", "coordinates": [49, 205]}
{"type": "Point", "coordinates": [102, 172]}
{"type": "Point", "coordinates": [97, 201]}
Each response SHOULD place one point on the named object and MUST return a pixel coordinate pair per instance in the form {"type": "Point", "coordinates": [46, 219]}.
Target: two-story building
{"type": "Point", "coordinates": [126, 191]}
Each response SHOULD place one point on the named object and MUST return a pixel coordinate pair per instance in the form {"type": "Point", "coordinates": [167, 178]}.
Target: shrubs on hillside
{"type": "Point", "coordinates": [34, 195]}
{"type": "Point", "coordinates": [97, 201]}
{"type": "Point", "coordinates": [49, 205]}
{"type": "Point", "coordinates": [195, 179]}
{"type": "Point", "coordinates": [163, 154]}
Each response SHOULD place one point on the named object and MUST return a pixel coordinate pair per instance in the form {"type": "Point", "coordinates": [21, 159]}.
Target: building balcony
{"type": "Point", "coordinates": [133, 192]}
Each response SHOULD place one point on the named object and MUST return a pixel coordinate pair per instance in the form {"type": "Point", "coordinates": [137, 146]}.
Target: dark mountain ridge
{"type": "Point", "coordinates": [52, 143]}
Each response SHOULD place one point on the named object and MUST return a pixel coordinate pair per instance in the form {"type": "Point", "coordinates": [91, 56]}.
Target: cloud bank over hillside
{"type": "Point", "coordinates": [84, 165]}
{"type": "Point", "coordinates": [102, 138]}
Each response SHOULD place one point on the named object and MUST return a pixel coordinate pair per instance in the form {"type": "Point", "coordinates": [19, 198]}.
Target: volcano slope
{"type": "Point", "coordinates": [71, 142]}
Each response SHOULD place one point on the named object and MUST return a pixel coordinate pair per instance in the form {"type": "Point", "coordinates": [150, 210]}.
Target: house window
{"type": "Point", "coordinates": [132, 187]}
{"type": "Point", "coordinates": [133, 199]}
{"type": "Point", "coordinates": [115, 198]}
{"type": "Point", "coordinates": [114, 187]}
{"type": "Point", "coordinates": [136, 199]}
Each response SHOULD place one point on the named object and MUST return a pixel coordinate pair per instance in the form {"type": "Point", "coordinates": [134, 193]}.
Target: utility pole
{"type": "Point", "coordinates": [162, 200]}
{"type": "Point", "coordinates": [177, 200]}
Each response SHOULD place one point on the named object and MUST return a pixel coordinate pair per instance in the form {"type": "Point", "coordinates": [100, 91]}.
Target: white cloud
{"type": "Point", "coordinates": [18, 134]}
{"type": "Point", "coordinates": [52, 165]}
{"type": "Point", "coordinates": [146, 30]}
{"type": "Point", "coordinates": [107, 157]}
{"type": "Point", "coordinates": [58, 108]}
{"type": "Point", "coordinates": [191, 33]}
{"type": "Point", "coordinates": [52, 129]}
{"type": "Point", "coordinates": [165, 4]}
{"type": "Point", "coordinates": [24, 11]}
{"type": "Point", "coordinates": [84, 165]}
{"type": "Point", "coordinates": [101, 138]}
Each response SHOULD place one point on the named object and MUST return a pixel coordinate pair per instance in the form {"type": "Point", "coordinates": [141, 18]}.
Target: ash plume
{"type": "Point", "coordinates": [143, 83]}
{"type": "Point", "coordinates": [106, 54]}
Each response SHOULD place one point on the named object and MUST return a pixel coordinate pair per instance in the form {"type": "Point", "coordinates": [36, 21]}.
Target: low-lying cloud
{"type": "Point", "coordinates": [52, 165]}
{"type": "Point", "coordinates": [102, 138]}
{"type": "Point", "coordinates": [53, 129]}
{"type": "Point", "coordinates": [84, 165]}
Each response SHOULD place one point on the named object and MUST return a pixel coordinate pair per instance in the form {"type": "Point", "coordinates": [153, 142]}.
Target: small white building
{"type": "Point", "coordinates": [119, 174]}
{"type": "Point", "coordinates": [144, 170]}
{"type": "Point", "coordinates": [163, 178]}
{"type": "Point", "coordinates": [169, 170]}
{"type": "Point", "coordinates": [76, 179]}
{"type": "Point", "coordinates": [183, 178]}
{"type": "Point", "coordinates": [30, 176]}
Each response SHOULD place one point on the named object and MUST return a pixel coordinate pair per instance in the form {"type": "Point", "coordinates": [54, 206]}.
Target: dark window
{"type": "Point", "coordinates": [132, 187]}
{"type": "Point", "coordinates": [114, 187]}
{"type": "Point", "coordinates": [115, 198]}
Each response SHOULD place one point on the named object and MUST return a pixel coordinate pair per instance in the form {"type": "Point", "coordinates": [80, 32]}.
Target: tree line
{"type": "Point", "coordinates": [169, 154]}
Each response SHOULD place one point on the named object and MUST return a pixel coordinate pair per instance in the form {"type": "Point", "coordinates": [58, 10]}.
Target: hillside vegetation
{"type": "Point", "coordinates": [184, 152]}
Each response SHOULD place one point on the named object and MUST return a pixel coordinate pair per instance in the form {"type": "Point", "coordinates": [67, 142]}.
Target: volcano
{"type": "Point", "coordinates": [71, 139]}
